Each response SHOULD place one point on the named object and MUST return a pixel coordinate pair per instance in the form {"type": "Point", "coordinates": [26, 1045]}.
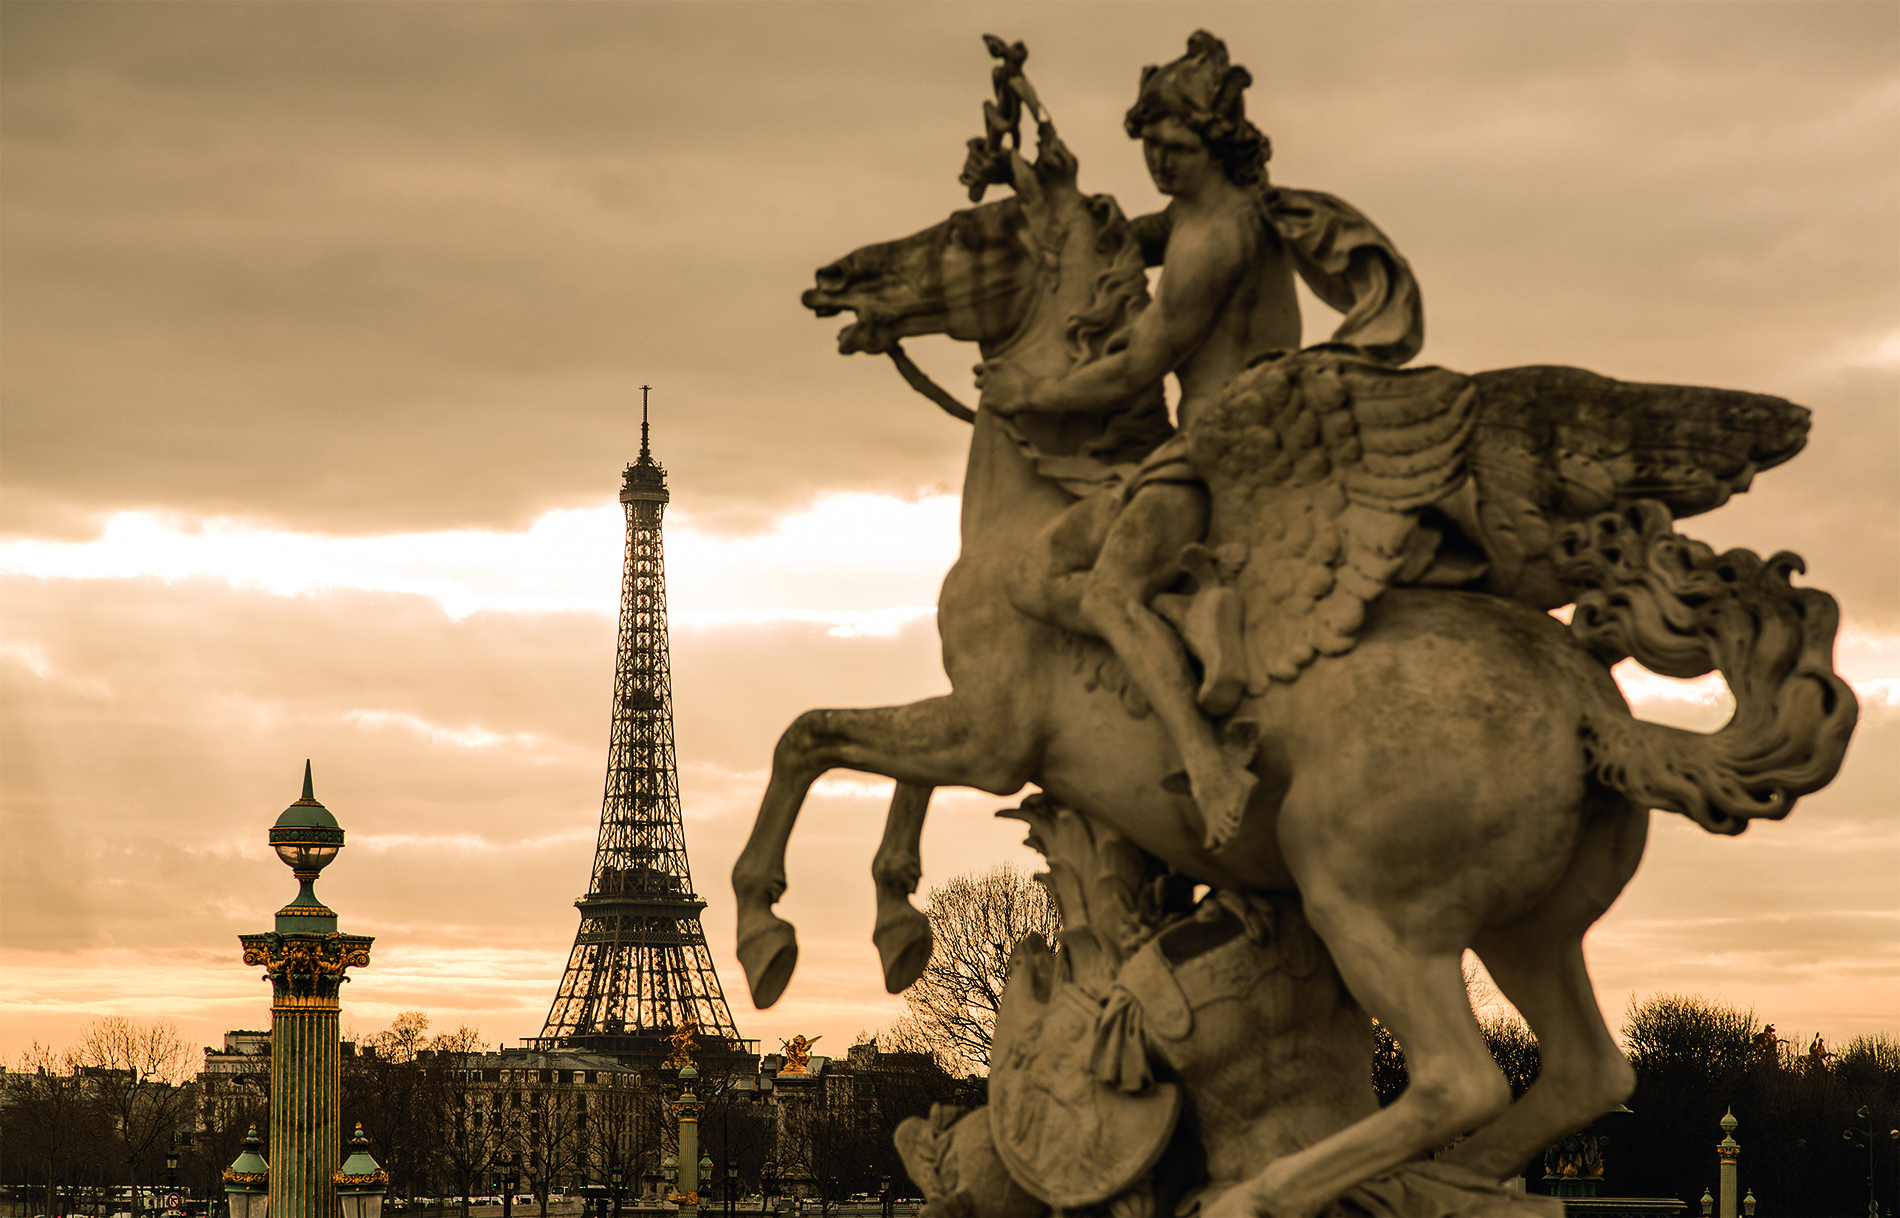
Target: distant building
{"type": "Point", "coordinates": [244, 1052]}
{"type": "Point", "coordinates": [234, 1084]}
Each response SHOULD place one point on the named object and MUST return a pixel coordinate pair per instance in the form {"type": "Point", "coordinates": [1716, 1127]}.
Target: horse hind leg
{"type": "Point", "coordinates": [1538, 963]}
{"type": "Point", "coordinates": [1407, 974]}
{"type": "Point", "coordinates": [902, 934]}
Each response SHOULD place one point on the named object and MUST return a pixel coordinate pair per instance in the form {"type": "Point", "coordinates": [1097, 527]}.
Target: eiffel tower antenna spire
{"type": "Point", "coordinates": [640, 970]}
{"type": "Point", "coordinates": [646, 450]}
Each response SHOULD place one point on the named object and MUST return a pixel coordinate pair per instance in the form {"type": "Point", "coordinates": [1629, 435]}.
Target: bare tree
{"type": "Point", "coordinates": [383, 1090]}
{"type": "Point", "coordinates": [976, 920]}
{"type": "Point", "coordinates": [823, 1144]}
{"type": "Point", "coordinates": [406, 1036]}
{"type": "Point", "coordinates": [553, 1134]}
{"type": "Point", "coordinates": [49, 1130]}
{"type": "Point", "coordinates": [135, 1074]}
{"type": "Point", "coordinates": [464, 1139]}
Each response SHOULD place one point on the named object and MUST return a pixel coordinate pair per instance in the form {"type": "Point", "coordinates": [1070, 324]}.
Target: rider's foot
{"type": "Point", "coordinates": [1239, 742]}
{"type": "Point", "coordinates": [1211, 630]}
{"type": "Point", "coordinates": [1222, 796]}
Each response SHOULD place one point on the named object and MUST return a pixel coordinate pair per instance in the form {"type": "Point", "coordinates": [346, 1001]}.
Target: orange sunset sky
{"type": "Point", "coordinates": [322, 328]}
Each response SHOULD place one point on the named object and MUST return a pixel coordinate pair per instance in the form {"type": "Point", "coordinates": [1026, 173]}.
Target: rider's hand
{"type": "Point", "coordinates": [1006, 388]}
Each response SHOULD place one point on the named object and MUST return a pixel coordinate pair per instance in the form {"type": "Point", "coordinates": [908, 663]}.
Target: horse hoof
{"type": "Point", "coordinates": [904, 945]}
{"type": "Point", "coordinates": [768, 956]}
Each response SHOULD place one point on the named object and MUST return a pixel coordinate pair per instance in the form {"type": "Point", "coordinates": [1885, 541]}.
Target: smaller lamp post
{"type": "Point", "coordinates": [732, 1185]}
{"type": "Point", "coordinates": [171, 1179]}
{"type": "Point", "coordinates": [1749, 1203]}
{"type": "Point", "coordinates": [361, 1182]}
{"type": "Point", "coordinates": [884, 1196]}
{"type": "Point", "coordinates": [247, 1181]}
{"type": "Point", "coordinates": [615, 1176]}
{"type": "Point", "coordinates": [510, 1176]}
{"type": "Point", "coordinates": [768, 1180]}
{"type": "Point", "coordinates": [1867, 1139]}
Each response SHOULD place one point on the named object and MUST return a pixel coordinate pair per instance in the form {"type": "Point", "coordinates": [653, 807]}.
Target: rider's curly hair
{"type": "Point", "coordinates": [1242, 148]}
{"type": "Point", "coordinates": [1205, 93]}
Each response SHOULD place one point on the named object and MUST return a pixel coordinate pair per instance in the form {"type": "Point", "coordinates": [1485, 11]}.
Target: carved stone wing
{"type": "Point", "coordinates": [1318, 464]}
{"type": "Point", "coordinates": [1556, 445]}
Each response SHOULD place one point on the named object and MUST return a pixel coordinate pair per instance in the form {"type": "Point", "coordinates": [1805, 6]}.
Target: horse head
{"type": "Point", "coordinates": [1048, 273]}
{"type": "Point", "coordinates": [970, 277]}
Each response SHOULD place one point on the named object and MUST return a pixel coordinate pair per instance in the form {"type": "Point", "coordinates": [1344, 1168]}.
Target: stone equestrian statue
{"type": "Point", "coordinates": [1293, 655]}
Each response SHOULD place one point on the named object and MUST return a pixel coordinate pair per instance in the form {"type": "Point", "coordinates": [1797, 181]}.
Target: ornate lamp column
{"type": "Point", "coordinates": [1727, 1203]}
{"type": "Point", "coordinates": [304, 959]}
{"type": "Point", "coordinates": [687, 1109]}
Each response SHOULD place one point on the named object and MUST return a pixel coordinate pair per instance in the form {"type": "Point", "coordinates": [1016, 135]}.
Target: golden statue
{"type": "Point", "coordinates": [797, 1054]}
{"type": "Point", "coordinates": [683, 1046]}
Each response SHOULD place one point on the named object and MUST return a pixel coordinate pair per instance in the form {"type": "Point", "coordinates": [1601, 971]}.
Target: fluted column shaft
{"type": "Point", "coordinates": [305, 1130]}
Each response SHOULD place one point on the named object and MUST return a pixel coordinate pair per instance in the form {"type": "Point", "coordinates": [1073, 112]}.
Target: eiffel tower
{"type": "Point", "coordinates": [640, 969]}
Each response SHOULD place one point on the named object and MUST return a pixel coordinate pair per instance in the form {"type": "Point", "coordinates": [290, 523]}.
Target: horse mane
{"type": "Point", "coordinates": [1120, 292]}
{"type": "Point", "coordinates": [1101, 327]}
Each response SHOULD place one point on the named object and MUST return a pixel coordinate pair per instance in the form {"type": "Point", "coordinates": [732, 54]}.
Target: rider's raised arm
{"type": "Point", "coordinates": [1204, 261]}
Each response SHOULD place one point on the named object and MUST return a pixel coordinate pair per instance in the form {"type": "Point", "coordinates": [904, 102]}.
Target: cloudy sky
{"type": "Point", "coordinates": [323, 328]}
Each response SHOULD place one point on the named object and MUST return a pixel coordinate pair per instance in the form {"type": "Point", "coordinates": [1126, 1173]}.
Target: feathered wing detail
{"type": "Point", "coordinates": [1556, 445]}
{"type": "Point", "coordinates": [1338, 476]}
{"type": "Point", "coordinates": [1318, 464]}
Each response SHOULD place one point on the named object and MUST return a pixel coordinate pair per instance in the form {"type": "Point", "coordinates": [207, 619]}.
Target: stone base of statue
{"type": "Point", "coordinates": [1166, 1054]}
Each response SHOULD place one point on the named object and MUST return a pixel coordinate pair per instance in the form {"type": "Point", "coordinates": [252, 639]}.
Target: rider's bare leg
{"type": "Point", "coordinates": [931, 743]}
{"type": "Point", "coordinates": [1049, 580]}
{"type": "Point", "coordinates": [1136, 559]}
{"type": "Point", "coordinates": [1208, 621]}
{"type": "Point", "coordinates": [902, 934]}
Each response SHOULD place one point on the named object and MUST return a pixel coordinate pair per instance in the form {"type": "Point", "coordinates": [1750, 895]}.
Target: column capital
{"type": "Point", "coordinates": [306, 969]}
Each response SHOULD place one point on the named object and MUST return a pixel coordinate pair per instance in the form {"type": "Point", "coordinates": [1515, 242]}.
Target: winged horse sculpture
{"type": "Point", "coordinates": [1442, 764]}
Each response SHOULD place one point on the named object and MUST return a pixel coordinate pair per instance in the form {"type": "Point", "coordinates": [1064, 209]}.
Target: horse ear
{"type": "Point", "coordinates": [1025, 179]}
{"type": "Point", "coordinates": [1055, 163]}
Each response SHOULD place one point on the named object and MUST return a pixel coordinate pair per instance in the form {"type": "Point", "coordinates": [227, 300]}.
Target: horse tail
{"type": "Point", "coordinates": [1682, 610]}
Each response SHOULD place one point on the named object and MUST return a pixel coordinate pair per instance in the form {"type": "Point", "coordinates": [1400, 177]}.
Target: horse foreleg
{"type": "Point", "coordinates": [925, 744]}
{"type": "Point", "coordinates": [902, 933]}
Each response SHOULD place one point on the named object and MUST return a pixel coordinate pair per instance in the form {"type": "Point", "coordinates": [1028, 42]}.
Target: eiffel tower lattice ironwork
{"type": "Point", "coordinates": [640, 969]}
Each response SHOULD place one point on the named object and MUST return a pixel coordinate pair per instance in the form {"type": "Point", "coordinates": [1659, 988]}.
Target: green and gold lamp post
{"type": "Point", "coordinates": [361, 1182]}
{"type": "Point", "coordinates": [304, 959]}
{"type": "Point", "coordinates": [247, 1181]}
{"type": "Point", "coordinates": [686, 1108]}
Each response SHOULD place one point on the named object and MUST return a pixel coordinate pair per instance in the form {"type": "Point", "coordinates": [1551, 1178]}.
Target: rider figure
{"type": "Point", "coordinates": [1225, 296]}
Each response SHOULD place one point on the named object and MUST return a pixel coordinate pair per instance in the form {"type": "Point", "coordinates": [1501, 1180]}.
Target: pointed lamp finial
{"type": "Point", "coordinates": [306, 837]}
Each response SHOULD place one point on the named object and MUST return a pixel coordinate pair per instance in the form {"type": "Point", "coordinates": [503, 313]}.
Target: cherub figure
{"type": "Point", "coordinates": [683, 1044]}
{"type": "Point", "coordinates": [1229, 246]}
{"type": "Point", "coordinates": [797, 1054]}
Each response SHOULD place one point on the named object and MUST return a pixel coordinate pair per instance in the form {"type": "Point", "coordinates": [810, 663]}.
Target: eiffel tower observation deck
{"type": "Point", "coordinates": [640, 969]}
